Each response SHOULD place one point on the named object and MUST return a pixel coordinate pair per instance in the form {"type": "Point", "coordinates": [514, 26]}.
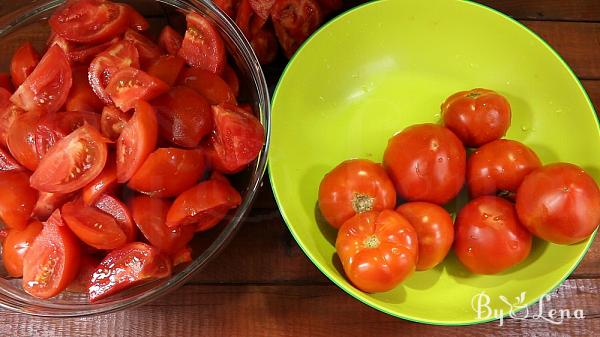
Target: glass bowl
{"type": "Point", "coordinates": [29, 22]}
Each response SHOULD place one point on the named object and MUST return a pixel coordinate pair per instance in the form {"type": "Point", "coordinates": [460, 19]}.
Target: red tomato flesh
{"type": "Point", "coordinates": [17, 199]}
{"type": "Point", "coordinates": [92, 226]}
{"type": "Point", "coordinates": [202, 45]}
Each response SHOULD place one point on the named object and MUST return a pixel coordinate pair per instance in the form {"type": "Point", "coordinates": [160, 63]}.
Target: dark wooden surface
{"type": "Point", "coordinates": [263, 285]}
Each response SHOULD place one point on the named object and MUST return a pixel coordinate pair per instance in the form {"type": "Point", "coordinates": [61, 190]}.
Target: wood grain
{"type": "Point", "coordinates": [564, 10]}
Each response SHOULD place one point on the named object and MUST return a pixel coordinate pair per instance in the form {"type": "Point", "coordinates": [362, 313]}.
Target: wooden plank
{"type": "Point", "coordinates": [593, 91]}
{"type": "Point", "coordinates": [296, 311]}
{"type": "Point", "coordinates": [571, 10]}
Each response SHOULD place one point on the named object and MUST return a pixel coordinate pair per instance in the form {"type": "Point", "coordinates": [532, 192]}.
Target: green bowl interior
{"type": "Point", "coordinates": [388, 64]}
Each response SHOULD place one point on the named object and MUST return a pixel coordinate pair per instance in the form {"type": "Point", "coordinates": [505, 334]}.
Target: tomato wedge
{"type": "Point", "coordinates": [90, 21]}
{"type": "Point", "coordinates": [127, 266]}
{"type": "Point", "coordinates": [8, 163]}
{"type": "Point", "coordinates": [232, 80]}
{"type": "Point", "coordinates": [71, 163]}
{"type": "Point", "coordinates": [168, 171]}
{"type": "Point", "coordinates": [80, 53]}
{"type": "Point", "coordinates": [82, 97]}
{"type": "Point", "coordinates": [149, 215]}
{"type": "Point", "coordinates": [262, 8]}
{"type": "Point", "coordinates": [202, 45]}
{"type": "Point", "coordinates": [166, 68]}
{"type": "Point", "coordinates": [131, 85]}
{"type": "Point", "coordinates": [47, 87]}
{"type": "Point", "coordinates": [113, 121]}
{"type": "Point", "coordinates": [184, 116]}
{"type": "Point", "coordinates": [136, 20]}
{"type": "Point", "coordinates": [48, 202]}
{"type": "Point", "coordinates": [15, 246]}
{"type": "Point", "coordinates": [16, 200]}
{"type": "Point", "coordinates": [106, 64]}
{"type": "Point", "coordinates": [93, 226]}
{"type": "Point", "coordinates": [203, 204]}
{"type": "Point", "coordinates": [8, 113]}
{"type": "Point", "coordinates": [137, 141]}
{"type": "Point", "coordinates": [52, 261]}
{"type": "Point", "coordinates": [112, 206]}
{"type": "Point", "coordinates": [209, 85]}
{"type": "Point", "coordinates": [294, 21]}
{"type": "Point", "coordinates": [169, 40]}
{"type": "Point", "coordinates": [22, 139]}
{"type": "Point", "coordinates": [105, 182]}
{"type": "Point", "coordinates": [147, 49]}
{"type": "Point", "coordinates": [243, 16]}
{"type": "Point", "coordinates": [23, 62]}
{"type": "Point", "coordinates": [264, 44]}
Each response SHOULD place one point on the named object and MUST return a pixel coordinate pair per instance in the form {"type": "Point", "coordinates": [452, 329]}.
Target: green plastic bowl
{"type": "Point", "coordinates": [385, 65]}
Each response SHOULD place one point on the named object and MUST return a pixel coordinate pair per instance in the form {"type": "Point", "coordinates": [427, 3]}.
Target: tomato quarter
{"type": "Point", "coordinates": [209, 85]}
{"type": "Point", "coordinates": [17, 199]}
{"type": "Point", "coordinates": [15, 246]}
{"type": "Point", "coordinates": [92, 226]}
{"type": "Point", "coordinates": [169, 40]}
{"type": "Point", "coordinates": [23, 62]}
{"type": "Point", "coordinates": [202, 45]}
{"type": "Point", "coordinates": [130, 85]}
{"type": "Point", "coordinates": [115, 208]}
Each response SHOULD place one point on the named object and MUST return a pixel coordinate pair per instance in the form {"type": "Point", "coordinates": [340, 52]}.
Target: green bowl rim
{"type": "Point", "coordinates": [348, 289]}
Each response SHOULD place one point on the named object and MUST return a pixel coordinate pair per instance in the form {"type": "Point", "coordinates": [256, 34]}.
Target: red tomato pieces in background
{"type": "Point", "coordinates": [166, 68]}
{"type": "Point", "coordinates": [6, 83]}
{"type": "Point", "coordinates": [48, 202]}
{"type": "Point", "coordinates": [105, 182]}
{"type": "Point", "coordinates": [71, 163]}
{"type": "Point", "coordinates": [16, 200]}
{"type": "Point", "coordinates": [131, 85]}
{"type": "Point", "coordinates": [226, 6]}
{"type": "Point", "coordinates": [88, 266]}
{"type": "Point", "coordinates": [23, 62]}
{"type": "Point", "coordinates": [231, 78]}
{"type": "Point", "coordinates": [149, 215]}
{"type": "Point", "coordinates": [147, 49]}
{"type": "Point", "coordinates": [92, 226]}
{"type": "Point", "coordinates": [294, 21]}
{"type": "Point", "coordinates": [115, 208]}
{"type": "Point", "coordinates": [90, 21]}
{"type": "Point", "coordinates": [15, 246]}
{"type": "Point", "coordinates": [52, 261]}
{"type": "Point", "coordinates": [184, 255]}
{"type": "Point", "coordinates": [262, 8]}
{"type": "Point", "coordinates": [209, 85]}
{"type": "Point", "coordinates": [81, 96]}
{"type": "Point", "coordinates": [113, 121]}
{"type": "Point", "coordinates": [136, 20]}
{"type": "Point", "coordinates": [184, 116]}
{"type": "Point", "coordinates": [202, 45]}
{"type": "Point", "coordinates": [264, 44]}
{"type": "Point", "coordinates": [127, 266]}
{"type": "Point", "coordinates": [169, 40]}
{"type": "Point", "coordinates": [8, 163]}
{"type": "Point", "coordinates": [137, 140]}
{"type": "Point", "coordinates": [243, 16]}
{"type": "Point", "coordinates": [47, 87]}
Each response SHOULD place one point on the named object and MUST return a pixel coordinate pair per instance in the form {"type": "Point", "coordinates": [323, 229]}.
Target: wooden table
{"type": "Point", "coordinates": [263, 284]}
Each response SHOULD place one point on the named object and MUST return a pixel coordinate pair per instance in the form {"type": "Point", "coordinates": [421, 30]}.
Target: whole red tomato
{"type": "Point", "coordinates": [500, 165]}
{"type": "Point", "coordinates": [355, 186]}
{"type": "Point", "coordinates": [426, 162]}
{"type": "Point", "coordinates": [489, 237]}
{"type": "Point", "coordinates": [378, 250]}
{"type": "Point", "coordinates": [435, 231]}
{"type": "Point", "coordinates": [560, 203]}
{"type": "Point", "coordinates": [477, 116]}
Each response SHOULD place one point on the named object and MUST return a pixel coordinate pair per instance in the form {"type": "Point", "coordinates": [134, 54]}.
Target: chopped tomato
{"type": "Point", "coordinates": [184, 255]}
{"type": "Point", "coordinates": [22, 142]}
{"type": "Point", "coordinates": [168, 171]}
{"type": "Point", "coordinates": [23, 62]}
{"type": "Point", "coordinates": [88, 266]}
{"type": "Point", "coordinates": [202, 45]}
{"type": "Point", "coordinates": [93, 226]}
{"type": "Point", "coordinates": [8, 113]}
{"type": "Point", "coordinates": [226, 6]}
{"type": "Point", "coordinates": [166, 68]}
{"type": "Point", "coordinates": [105, 182]}
{"type": "Point", "coordinates": [232, 80]}
{"type": "Point", "coordinates": [131, 85]}
{"type": "Point", "coordinates": [113, 121]}
{"type": "Point", "coordinates": [184, 116]}
{"type": "Point", "coordinates": [127, 266]}
{"type": "Point", "coordinates": [70, 121]}
{"type": "Point", "coordinates": [137, 141]}
{"type": "Point", "coordinates": [6, 83]}
{"type": "Point", "coordinates": [264, 44]}
{"type": "Point", "coordinates": [72, 163]}
{"type": "Point", "coordinates": [136, 20]}
{"type": "Point", "coordinates": [16, 200]}
{"type": "Point", "coordinates": [149, 215]}
{"type": "Point", "coordinates": [48, 202]}
{"type": "Point", "coordinates": [209, 85]}
{"type": "Point", "coordinates": [8, 163]}
{"type": "Point", "coordinates": [89, 21]}
{"type": "Point", "coordinates": [262, 8]}
{"type": "Point", "coordinates": [82, 97]}
{"type": "Point", "coordinates": [147, 49]}
{"type": "Point", "coordinates": [169, 40]}
{"type": "Point", "coordinates": [47, 87]}
{"type": "Point", "coordinates": [108, 63]}
{"type": "Point", "coordinates": [15, 246]}
{"type": "Point", "coordinates": [52, 261]}
{"type": "Point", "coordinates": [81, 53]}
{"type": "Point", "coordinates": [294, 21]}
{"type": "Point", "coordinates": [243, 16]}
{"type": "Point", "coordinates": [112, 206]}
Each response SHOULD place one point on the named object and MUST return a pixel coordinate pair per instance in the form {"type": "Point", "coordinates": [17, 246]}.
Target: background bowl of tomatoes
{"type": "Point", "coordinates": [134, 139]}
{"type": "Point", "coordinates": [370, 88]}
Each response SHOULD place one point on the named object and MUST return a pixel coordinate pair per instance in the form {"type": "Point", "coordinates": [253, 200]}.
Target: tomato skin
{"type": "Point", "coordinates": [16, 200]}
{"type": "Point", "coordinates": [294, 21]}
{"type": "Point", "coordinates": [131, 85]}
{"type": "Point", "coordinates": [47, 87]}
{"type": "Point", "coordinates": [15, 246]}
{"type": "Point", "coordinates": [560, 203]}
{"type": "Point", "coordinates": [105, 182]}
{"type": "Point", "coordinates": [434, 168]}
{"type": "Point", "coordinates": [48, 202]}
{"type": "Point", "coordinates": [23, 62]}
{"type": "Point", "coordinates": [65, 169]}
{"type": "Point", "coordinates": [147, 49]}
{"type": "Point", "coordinates": [435, 231]}
{"type": "Point", "coordinates": [167, 172]}
{"type": "Point", "coordinates": [378, 250]}
{"type": "Point", "coordinates": [115, 208]}
{"type": "Point", "coordinates": [477, 116]}
{"type": "Point", "coordinates": [112, 122]}
{"type": "Point", "coordinates": [169, 40]}
{"type": "Point", "coordinates": [149, 215]}
{"type": "Point", "coordinates": [22, 140]}
{"type": "Point", "coordinates": [8, 114]}
{"type": "Point", "coordinates": [209, 85]}
{"type": "Point", "coordinates": [202, 45]}
{"type": "Point", "coordinates": [184, 116]}
{"type": "Point", "coordinates": [92, 226]}
{"type": "Point", "coordinates": [82, 97]}
{"type": "Point", "coordinates": [489, 238]}
{"type": "Point", "coordinates": [166, 68]}
{"type": "Point", "coordinates": [355, 186]}
{"type": "Point", "coordinates": [52, 261]}
{"type": "Point", "coordinates": [8, 163]}
{"type": "Point", "coordinates": [184, 255]}
{"type": "Point", "coordinates": [500, 165]}
{"type": "Point", "coordinates": [137, 140]}
{"type": "Point", "coordinates": [127, 266]}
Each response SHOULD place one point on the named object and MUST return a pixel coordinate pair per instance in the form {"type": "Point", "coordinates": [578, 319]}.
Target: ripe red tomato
{"type": "Point", "coordinates": [264, 44]}
{"type": "Point", "coordinates": [166, 68]}
{"type": "Point", "coordinates": [150, 215]}
{"type": "Point", "coordinates": [294, 21]}
{"type": "Point", "coordinates": [204, 204]}
{"type": "Point", "coordinates": [202, 45]}
{"type": "Point", "coordinates": [435, 231]}
{"type": "Point", "coordinates": [105, 182]}
{"type": "Point", "coordinates": [169, 40]}
{"type": "Point", "coordinates": [15, 246]}
{"type": "Point", "coordinates": [8, 163]}
{"type": "Point", "coordinates": [167, 172]}
{"type": "Point", "coordinates": [47, 87]}
{"type": "Point", "coordinates": [71, 163]}
{"type": "Point", "coordinates": [17, 199]}
{"type": "Point", "coordinates": [355, 186]}
{"type": "Point", "coordinates": [499, 166]}
{"type": "Point", "coordinates": [130, 85]}
{"type": "Point", "coordinates": [92, 226]}
{"type": "Point", "coordinates": [22, 142]}
{"type": "Point", "coordinates": [82, 97]}
{"type": "Point", "coordinates": [489, 236]}
{"type": "Point", "coordinates": [52, 261]}
{"type": "Point", "coordinates": [147, 49]}
{"type": "Point", "coordinates": [89, 21]}
{"type": "Point", "coordinates": [426, 162]}
{"type": "Point", "coordinates": [184, 116]}
{"type": "Point", "coordinates": [378, 250]}
{"type": "Point", "coordinates": [209, 85]}
{"type": "Point", "coordinates": [115, 208]}
{"type": "Point", "coordinates": [23, 62]}
{"type": "Point", "coordinates": [48, 202]}
{"type": "Point", "coordinates": [112, 122]}
{"type": "Point", "coordinates": [137, 141]}
{"type": "Point", "coordinates": [127, 266]}
{"type": "Point", "coordinates": [477, 116]}
{"type": "Point", "coordinates": [560, 203]}
{"type": "Point", "coordinates": [232, 80]}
